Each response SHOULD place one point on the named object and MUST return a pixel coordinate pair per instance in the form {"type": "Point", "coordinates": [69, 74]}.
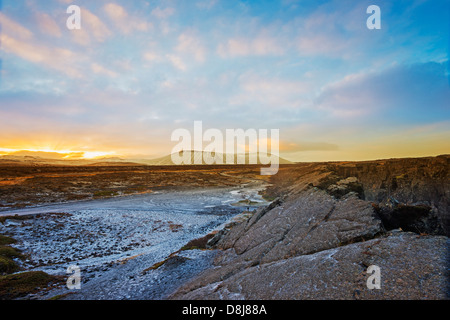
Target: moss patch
{"type": "Point", "coordinates": [60, 296]}
{"type": "Point", "coordinates": [155, 266]}
{"type": "Point", "coordinates": [199, 243]}
{"type": "Point", "coordinates": [105, 193]}
{"type": "Point", "coordinates": [18, 285]}
{"type": "Point", "coordinates": [4, 240]}
{"type": "Point", "coordinates": [268, 198]}
{"type": "Point", "coordinates": [172, 261]}
{"type": "Point", "coordinates": [10, 252]}
{"type": "Point", "coordinates": [246, 202]}
{"type": "Point", "coordinates": [7, 254]}
{"type": "Point", "coordinates": [7, 265]}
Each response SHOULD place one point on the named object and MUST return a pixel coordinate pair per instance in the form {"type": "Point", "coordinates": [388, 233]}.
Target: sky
{"type": "Point", "coordinates": [138, 70]}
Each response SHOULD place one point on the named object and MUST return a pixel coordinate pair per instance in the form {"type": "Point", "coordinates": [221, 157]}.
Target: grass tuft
{"type": "Point", "coordinates": [199, 243]}
{"type": "Point", "coordinates": [4, 240]}
{"type": "Point", "coordinates": [17, 285]}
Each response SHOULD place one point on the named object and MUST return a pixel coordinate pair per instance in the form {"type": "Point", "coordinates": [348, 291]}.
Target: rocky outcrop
{"type": "Point", "coordinates": [411, 267]}
{"type": "Point", "coordinates": [310, 222]}
{"type": "Point", "coordinates": [405, 187]}
{"type": "Point", "coordinates": [331, 222]}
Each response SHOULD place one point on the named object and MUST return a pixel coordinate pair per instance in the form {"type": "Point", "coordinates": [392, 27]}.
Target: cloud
{"type": "Point", "coordinates": [289, 146]}
{"type": "Point", "coordinates": [189, 44]}
{"type": "Point", "coordinates": [13, 28]}
{"type": "Point", "coordinates": [206, 4]}
{"type": "Point", "coordinates": [162, 13]}
{"type": "Point", "coordinates": [335, 30]}
{"type": "Point", "coordinates": [265, 66]}
{"type": "Point", "coordinates": [151, 56]}
{"type": "Point", "coordinates": [92, 29]}
{"type": "Point", "coordinates": [50, 57]}
{"type": "Point", "coordinates": [20, 42]}
{"type": "Point", "coordinates": [98, 29]}
{"type": "Point", "coordinates": [329, 30]}
{"type": "Point", "coordinates": [418, 92]}
{"type": "Point", "coordinates": [116, 12]}
{"type": "Point", "coordinates": [47, 25]}
{"type": "Point", "coordinates": [177, 62]}
{"type": "Point", "coordinates": [262, 45]}
{"type": "Point", "coordinates": [322, 44]}
{"type": "Point", "coordinates": [123, 21]}
{"type": "Point", "coordinates": [270, 93]}
{"type": "Point", "coordinates": [98, 69]}
{"type": "Point", "coordinates": [272, 86]}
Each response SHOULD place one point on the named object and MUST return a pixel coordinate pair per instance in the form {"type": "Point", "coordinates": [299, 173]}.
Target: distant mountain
{"type": "Point", "coordinates": [110, 159]}
{"type": "Point", "coordinates": [198, 157]}
{"type": "Point", "coordinates": [38, 154]}
{"type": "Point", "coordinates": [115, 163]}
{"type": "Point", "coordinates": [38, 161]}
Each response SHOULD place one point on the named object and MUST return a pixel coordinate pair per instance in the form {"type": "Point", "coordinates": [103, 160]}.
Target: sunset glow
{"type": "Point", "coordinates": [63, 154]}
{"type": "Point", "coordinates": [138, 70]}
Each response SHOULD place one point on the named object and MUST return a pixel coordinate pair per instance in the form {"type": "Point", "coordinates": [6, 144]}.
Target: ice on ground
{"type": "Point", "coordinates": [114, 240]}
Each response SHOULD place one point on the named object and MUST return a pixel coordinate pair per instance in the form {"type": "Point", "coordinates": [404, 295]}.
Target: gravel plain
{"type": "Point", "coordinates": [114, 240]}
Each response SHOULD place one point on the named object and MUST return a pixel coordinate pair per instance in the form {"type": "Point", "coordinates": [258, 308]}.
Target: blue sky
{"type": "Point", "coordinates": [137, 70]}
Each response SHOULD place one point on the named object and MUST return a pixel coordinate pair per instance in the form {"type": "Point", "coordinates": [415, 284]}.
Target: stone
{"type": "Point", "coordinates": [329, 224]}
{"type": "Point", "coordinates": [339, 273]}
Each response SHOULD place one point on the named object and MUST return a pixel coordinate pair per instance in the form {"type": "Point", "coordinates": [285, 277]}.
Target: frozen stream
{"type": "Point", "coordinates": [114, 240]}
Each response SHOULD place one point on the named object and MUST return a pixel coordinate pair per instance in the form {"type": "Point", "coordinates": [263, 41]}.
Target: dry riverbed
{"type": "Point", "coordinates": [124, 246]}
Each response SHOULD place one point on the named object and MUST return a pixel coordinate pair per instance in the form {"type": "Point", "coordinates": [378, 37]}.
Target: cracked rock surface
{"type": "Point", "coordinates": [328, 226]}
{"type": "Point", "coordinates": [411, 267]}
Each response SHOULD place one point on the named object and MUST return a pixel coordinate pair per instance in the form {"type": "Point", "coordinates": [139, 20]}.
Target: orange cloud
{"type": "Point", "coordinates": [55, 58]}
{"type": "Point", "coordinates": [92, 29]}
{"type": "Point", "coordinates": [47, 25]}
{"type": "Point", "coordinates": [55, 154]}
{"type": "Point", "coordinates": [188, 43]}
{"type": "Point", "coordinates": [14, 29]}
{"type": "Point", "coordinates": [259, 46]}
{"type": "Point", "coordinates": [123, 21]}
{"type": "Point", "coordinates": [18, 40]}
{"type": "Point", "coordinates": [98, 69]}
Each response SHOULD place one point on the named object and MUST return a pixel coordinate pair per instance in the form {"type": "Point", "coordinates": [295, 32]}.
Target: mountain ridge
{"type": "Point", "coordinates": [196, 158]}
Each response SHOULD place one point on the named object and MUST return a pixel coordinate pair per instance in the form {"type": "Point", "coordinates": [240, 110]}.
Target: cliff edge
{"type": "Point", "coordinates": [328, 223]}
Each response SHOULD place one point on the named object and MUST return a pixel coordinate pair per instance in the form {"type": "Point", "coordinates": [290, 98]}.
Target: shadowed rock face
{"type": "Point", "coordinates": [420, 182]}
{"type": "Point", "coordinates": [331, 221]}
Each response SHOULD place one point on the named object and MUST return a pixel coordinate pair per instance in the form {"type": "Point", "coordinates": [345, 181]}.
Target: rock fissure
{"type": "Point", "coordinates": [324, 219]}
{"type": "Point", "coordinates": [337, 220]}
